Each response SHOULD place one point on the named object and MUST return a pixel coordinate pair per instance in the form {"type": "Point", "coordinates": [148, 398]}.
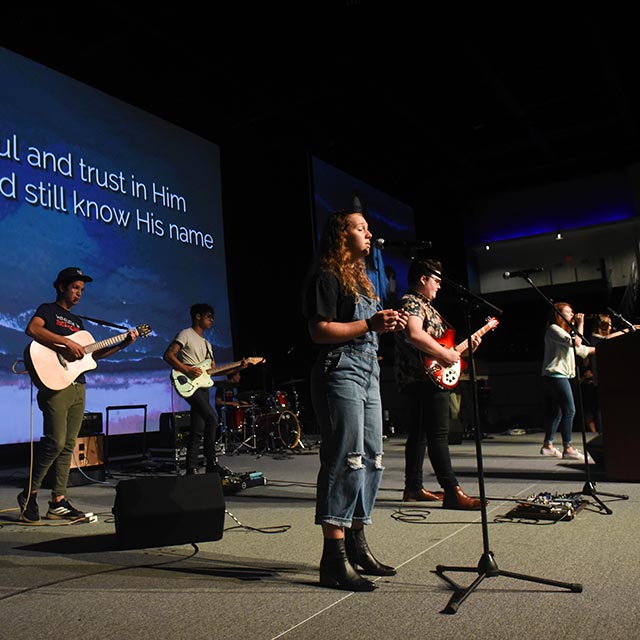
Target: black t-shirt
{"type": "Point", "coordinates": [326, 297]}
{"type": "Point", "coordinates": [60, 321]}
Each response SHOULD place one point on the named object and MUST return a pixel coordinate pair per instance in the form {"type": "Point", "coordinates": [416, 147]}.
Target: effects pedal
{"type": "Point", "coordinates": [240, 481]}
{"type": "Point", "coordinates": [548, 506]}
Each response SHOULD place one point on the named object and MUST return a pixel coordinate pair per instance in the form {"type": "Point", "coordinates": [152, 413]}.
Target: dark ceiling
{"type": "Point", "coordinates": [437, 109]}
{"type": "Point", "coordinates": [423, 105]}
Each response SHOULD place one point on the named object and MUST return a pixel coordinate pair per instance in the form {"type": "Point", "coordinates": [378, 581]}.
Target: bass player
{"type": "Point", "coordinates": [427, 402]}
{"type": "Point", "coordinates": [53, 326]}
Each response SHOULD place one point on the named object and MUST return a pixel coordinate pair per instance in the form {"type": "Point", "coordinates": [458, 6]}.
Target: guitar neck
{"type": "Point", "coordinates": [109, 342]}
{"type": "Point", "coordinates": [464, 345]}
{"type": "Point", "coordinates": [224, 368]}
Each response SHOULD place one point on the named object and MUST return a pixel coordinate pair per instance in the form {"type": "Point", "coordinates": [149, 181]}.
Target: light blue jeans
{"type": "Point", "coordinates": [345, 387]}
{"type": "Point", "coordinates": [561, 409]}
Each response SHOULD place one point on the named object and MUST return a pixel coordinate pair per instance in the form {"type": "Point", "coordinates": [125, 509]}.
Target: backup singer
{"type": "Point", "coordinates": [558, 367]}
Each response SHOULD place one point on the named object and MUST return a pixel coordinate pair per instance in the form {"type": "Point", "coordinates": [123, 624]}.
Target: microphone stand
{"type": "Point", "coordinates": [487, 566]}
{"type": "Point", "coordinates": [589, 488]}
{"type": "Point", "coordinates": [621, 319]}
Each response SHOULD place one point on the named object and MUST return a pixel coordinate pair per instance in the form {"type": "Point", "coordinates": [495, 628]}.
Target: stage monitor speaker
{"type": "Point", "coordinates": [171, 510]}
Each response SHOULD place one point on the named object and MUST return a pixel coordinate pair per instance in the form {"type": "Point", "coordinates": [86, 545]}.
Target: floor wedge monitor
{"type": "Point", "coordinates": [169, 510]}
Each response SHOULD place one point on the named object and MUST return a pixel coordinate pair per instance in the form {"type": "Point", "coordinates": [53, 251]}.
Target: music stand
{"type": "Point", "coordinates": [487, 566]}
{"type": "Point", "coordinates": [589, 488]}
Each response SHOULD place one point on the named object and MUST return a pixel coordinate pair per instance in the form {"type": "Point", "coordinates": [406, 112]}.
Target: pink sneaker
{"type": "Point", "coordinates": [552, 452]}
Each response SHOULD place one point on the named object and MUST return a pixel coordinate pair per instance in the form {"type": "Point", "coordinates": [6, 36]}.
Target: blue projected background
{"type": "Point", "coordinates": [89, 181]}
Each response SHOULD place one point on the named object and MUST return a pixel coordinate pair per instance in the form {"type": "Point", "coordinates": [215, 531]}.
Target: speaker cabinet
{"type": "Point", "coordinates": [173, 428]}
{"type": "Point", "coordinates": [91, 424]}
{"type": "Point", "coordinates": [171, 510]}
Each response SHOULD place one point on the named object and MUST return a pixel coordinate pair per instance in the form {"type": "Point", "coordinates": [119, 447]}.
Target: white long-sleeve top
{"type": "Point", "coordinates": [558, 359]}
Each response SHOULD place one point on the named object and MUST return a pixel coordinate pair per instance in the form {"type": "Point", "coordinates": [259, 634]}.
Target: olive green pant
{"type": "Point", "coordinates": [62, 413]}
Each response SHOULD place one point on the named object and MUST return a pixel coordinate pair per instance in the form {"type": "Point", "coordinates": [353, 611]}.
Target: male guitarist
{"type": "Point", "coordinates": [53, 326]}
{"type": "Point", "coordinates": [427, 402]}
{"type": "Point", "coordinates": [186, 353]}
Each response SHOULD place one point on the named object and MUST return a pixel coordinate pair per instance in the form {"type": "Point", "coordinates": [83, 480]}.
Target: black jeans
{"type": "Point", "coordinates": [204, 426]}
{"type": "Point", "coordinates": [429, 419]}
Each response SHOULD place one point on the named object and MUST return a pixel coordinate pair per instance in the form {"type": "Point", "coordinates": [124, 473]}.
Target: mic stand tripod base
{"type": "Point", "coordinates": [589, 489]}
{"type": "Point", "coordinates": [488, 568]}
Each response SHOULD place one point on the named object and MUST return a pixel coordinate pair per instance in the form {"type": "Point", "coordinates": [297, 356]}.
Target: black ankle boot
{"type": "Point", "coordinates": [361, 557]}
{"type": "Point", "coordinates": [336, 571]}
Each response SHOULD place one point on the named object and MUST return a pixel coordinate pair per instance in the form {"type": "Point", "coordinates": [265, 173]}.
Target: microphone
{"type": "Point", "coordinates": [624, 321]}
{"type": "Point", "coordinates": [381, 243]}
{"type": "Point", "coordinates": [524, 273]}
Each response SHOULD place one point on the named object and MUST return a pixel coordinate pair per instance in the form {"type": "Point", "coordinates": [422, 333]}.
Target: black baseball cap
{"type": "Point", "coordinates": [70, 274]}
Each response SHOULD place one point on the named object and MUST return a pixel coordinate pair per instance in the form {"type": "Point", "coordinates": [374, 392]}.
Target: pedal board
{"type": "Point", "coordinates": [547, 506]}
{"type": "Point", "coordinates": [240, 481]}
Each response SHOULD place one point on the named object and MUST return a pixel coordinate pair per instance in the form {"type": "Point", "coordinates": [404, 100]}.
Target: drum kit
{"type": "Point", "coordinates": [263, 421]}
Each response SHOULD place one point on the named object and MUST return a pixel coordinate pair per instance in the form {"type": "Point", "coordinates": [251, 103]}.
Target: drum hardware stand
{"type": "Point", "coordinates": [487, 566]}
{"type": "Point", "coordinates": [251, 439]}
{"type": "Point", "coordinates": [589, 487]}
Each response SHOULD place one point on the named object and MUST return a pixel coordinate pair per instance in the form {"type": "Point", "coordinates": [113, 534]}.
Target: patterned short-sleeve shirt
{"type": "Point", "coordinates": [408, 361]}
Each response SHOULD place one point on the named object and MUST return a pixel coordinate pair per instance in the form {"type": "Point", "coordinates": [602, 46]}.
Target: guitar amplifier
{"type": "Point", "coordinates": [91, 424]}
{"type": "Point", "coordinates": [173, 427]}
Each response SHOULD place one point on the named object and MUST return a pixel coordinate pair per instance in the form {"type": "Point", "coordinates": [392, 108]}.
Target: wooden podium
{"type": "Point", "coordinates": [618, 364]}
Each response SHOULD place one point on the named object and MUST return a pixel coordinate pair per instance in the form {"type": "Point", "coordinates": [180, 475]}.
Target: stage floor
{"type": "Point", "coordinates": [260, 579]}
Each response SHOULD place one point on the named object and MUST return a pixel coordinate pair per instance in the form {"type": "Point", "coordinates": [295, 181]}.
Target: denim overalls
{"type": "Point", "coordinates": [345, 388]}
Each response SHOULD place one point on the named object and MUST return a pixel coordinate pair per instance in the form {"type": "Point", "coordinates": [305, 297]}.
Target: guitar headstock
{"type": "Point", "coordinates": [256, 360]}
{"type": "Point", "coordinates": [143, 330]}
{"type": "Point", "coordinates": [492, 323]}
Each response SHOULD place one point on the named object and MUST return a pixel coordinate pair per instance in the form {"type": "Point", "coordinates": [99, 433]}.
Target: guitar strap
{"type": "Point", "coordinates": [444, 319]}
{"type": "Point", "coordinates": [104, 323]}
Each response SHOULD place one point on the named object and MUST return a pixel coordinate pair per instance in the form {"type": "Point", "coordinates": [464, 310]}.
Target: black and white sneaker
{"type": "Point", "coordinates": [29, 511]}
{"type": "Point", "coordinates": [63, 510]}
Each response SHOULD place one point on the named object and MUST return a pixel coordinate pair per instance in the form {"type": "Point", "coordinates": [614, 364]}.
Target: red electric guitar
{"type": "Point", "coordinates": [448, 377]}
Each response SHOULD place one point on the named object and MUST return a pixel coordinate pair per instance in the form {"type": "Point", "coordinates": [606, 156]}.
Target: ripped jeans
{"type": "Point", "coordinates": [345, 390]}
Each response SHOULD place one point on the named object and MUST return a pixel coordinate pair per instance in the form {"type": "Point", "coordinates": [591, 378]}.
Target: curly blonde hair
{"type": "Point", "coordinates": [332, 256]}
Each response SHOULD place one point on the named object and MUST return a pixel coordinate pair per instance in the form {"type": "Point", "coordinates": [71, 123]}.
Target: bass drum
{"type": "Point", "coordinates": [279, 429]}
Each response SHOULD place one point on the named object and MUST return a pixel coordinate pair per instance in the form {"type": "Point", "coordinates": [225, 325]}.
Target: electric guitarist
{"type": "Point", "coordinates": [185, 354]}
{"type": "Point", "coordinates": [53, 326]}
{"type": "Point", "coordinates": [427, 402]}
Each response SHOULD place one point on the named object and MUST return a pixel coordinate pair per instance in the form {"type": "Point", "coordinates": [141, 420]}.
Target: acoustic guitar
{"type": "Point", "coordinates": [50, 370]}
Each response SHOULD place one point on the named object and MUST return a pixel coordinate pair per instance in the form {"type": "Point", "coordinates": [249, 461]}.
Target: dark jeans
{"type": "Point", "coordinates": [204, 425]}
{"type": "Point", "coordinates": [429, 420]}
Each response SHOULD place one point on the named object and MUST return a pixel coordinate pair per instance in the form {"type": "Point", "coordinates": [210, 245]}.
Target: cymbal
{"type": "Point", "coordinates": [290, 382]}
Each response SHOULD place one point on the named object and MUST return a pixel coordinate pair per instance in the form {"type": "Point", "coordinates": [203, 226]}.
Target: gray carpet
{"type": "Point", "coordinates": [260, 579]}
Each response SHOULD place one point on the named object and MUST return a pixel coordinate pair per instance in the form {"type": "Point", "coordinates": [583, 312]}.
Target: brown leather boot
{"type": "Point", "coordinates": [421, 495]}
{"type": "Point", "coordinates": [458, 499]}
